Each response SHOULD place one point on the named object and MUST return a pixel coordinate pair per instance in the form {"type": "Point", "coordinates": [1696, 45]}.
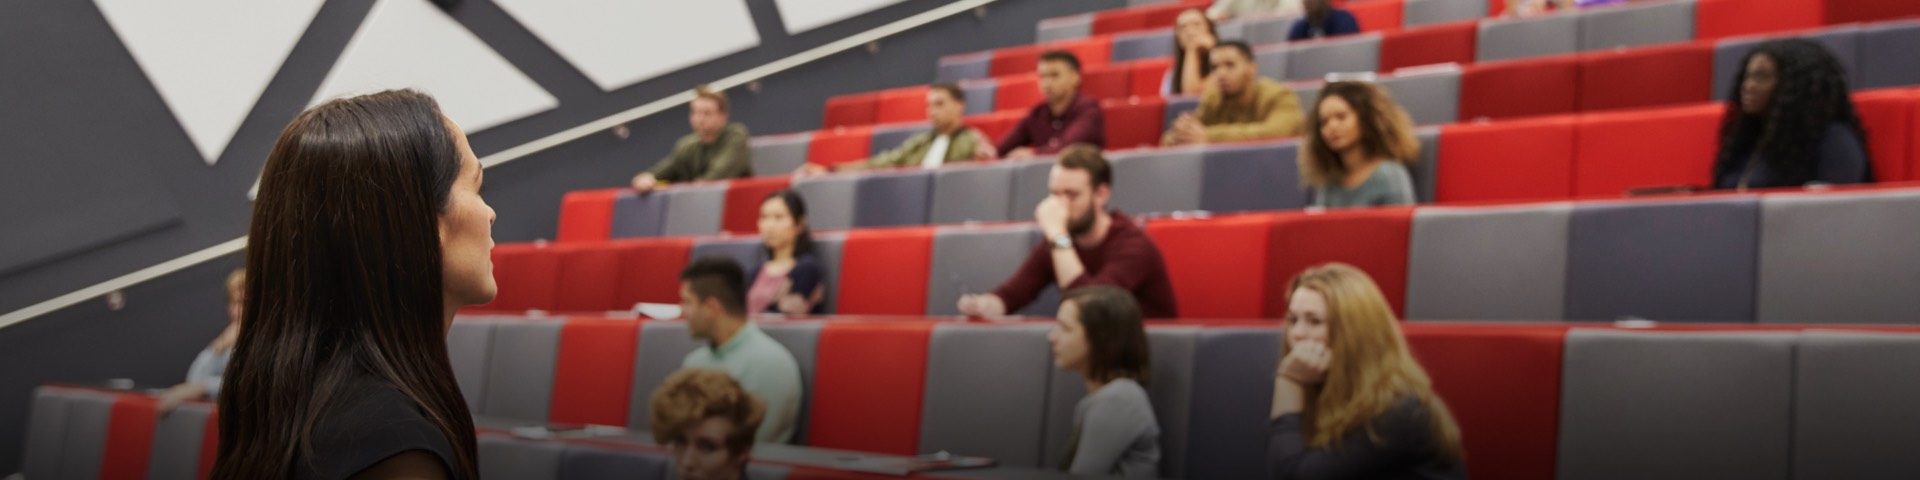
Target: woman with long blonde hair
{"type": "Point", "coordinates": [1357, 147]}
{"type": "Point", "coordinates": [1349, 400]}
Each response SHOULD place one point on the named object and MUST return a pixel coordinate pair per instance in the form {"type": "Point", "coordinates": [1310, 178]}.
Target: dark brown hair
{"type": "Point", "coordinates": [718, 97]}
{"type": "Point", "coordinates": [344, 280]}
{"type": "Point", "coordinates": [1385, 129]}
{"type": "Point", "coordinates": [696, 394]}
{"type": "Point", "coordinates": [952, 91]}
{"type": "Point", "coordinates": [1062, 56]}
{"type": "Point", "coordinates": [1180, 52]}
{"type": "Point", "coordinates": [1086, 157]}
{"type": "Point", "coordinates": [1116, 338]}
{"type": "Point", "coordinates": [718, 276]}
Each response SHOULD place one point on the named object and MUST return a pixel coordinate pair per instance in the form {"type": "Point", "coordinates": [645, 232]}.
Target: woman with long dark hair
{"type": "Point", "coordinates": [791, 281]}
{"type": "Point", "coordinates": [1099, 335]}
{"type": "Point", "coordinates": [369, 233]}
{"type": "Point", "coordinates": [1790, 121]}
{"type": "Point", "coordinates": [1193, 36]}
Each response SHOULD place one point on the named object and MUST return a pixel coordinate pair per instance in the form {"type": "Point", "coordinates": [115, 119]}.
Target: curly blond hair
{"type": "Point", "coordinates": [691, 396]}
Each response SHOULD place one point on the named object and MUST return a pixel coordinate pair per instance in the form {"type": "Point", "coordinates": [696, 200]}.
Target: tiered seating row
{"type": "Point", "coordinates": [1533, 401]}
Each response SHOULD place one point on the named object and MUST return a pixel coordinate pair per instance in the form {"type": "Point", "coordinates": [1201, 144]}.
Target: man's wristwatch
{"type": "Point", "coordinates": [1061, 241]}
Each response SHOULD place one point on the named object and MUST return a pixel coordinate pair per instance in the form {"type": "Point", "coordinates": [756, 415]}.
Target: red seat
{"type": "Point", "coordinates": [1542, 86]}
{"type": "Point", "coordinates": [1118, 21]}
{"type": "Point", "coordinates": [851, 110]}
{"type": "Point", "coordinates": [209, 445]}
{"type": "Point", "coordinates": [1530, 159]}
{"type": "Point", "coordinates": [744, 196]}
{"type": "Point", "coordinates": [840, 145]}
{"type": "Point", "coordinates": [1507, 405]}
{"type": "Point", "coordinates": [1107, 81]}
{"type": "Point", "coordinates": [997, 124]}
{"type": "Point", "coordinates": [1148, 75]}
{"type": "Point", "coordinates": [1218, 265]}
{"type": "Point", "coordinates": [587, 215]}
{"type": "Point", "coordinates": [593, 372]}
{"type": "Point", "coordinates": [1713, 19]}
{"type": "Point", "coordinates": [1887, 116]}
{"type": "Point", "coordinates": [908, 104]}
{"type": "Point", "coordinates": [1134, 122]}
{"type": "Point", "coordinates": [1166, 15]}
{"type": "Point", "coordinates": [1848, 11]}
{"type": "Point", "coordinates": [1646, 77]}
{"type": "Point", "coordinates": [1018, 92]}
{"type": "Point", "coordinates": [1378, 15]}
{"type": "Point", "coordinates": [589, 276]}
{"type": "Point", "coordinates": [884, 271]}
{"type": "Point", "coordinates": [1373, 240]}
{"type": "Point", "coordinates": [1614, 152]}
{"type": "Point", "coordinates": [1427, 45]}
{"type": "Point", "coordinates": [129, 444]}
{"type": "Point", "coordinates": [650, 270]}
{"type": "Point", "coordinates": [526, 274]}
{"type": "Point", "coordinates": [1014, 60]}
{"type": "Point", "coordinates": [1092, 52]}
{"type": "Point", "coordinates": [868, 382]}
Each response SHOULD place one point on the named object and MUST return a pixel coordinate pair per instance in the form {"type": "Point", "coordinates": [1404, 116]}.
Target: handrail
{"type": "Point", "coordinates": [515, 153]}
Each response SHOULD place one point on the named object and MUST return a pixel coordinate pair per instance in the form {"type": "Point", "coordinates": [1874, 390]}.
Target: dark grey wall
{"type": "Point", "coordinates": [98, 180]}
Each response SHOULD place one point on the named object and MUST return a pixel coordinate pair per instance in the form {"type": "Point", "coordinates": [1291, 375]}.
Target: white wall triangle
{"type": "Point", "coordinates": [412, 44]}
{"type": "Point", "coordinates": [617, 43]}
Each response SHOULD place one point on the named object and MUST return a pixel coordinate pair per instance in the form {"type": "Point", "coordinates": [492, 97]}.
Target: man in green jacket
{"type": "Point", "coordinates": [950, 140]}
{"type": "Point", "coordinates": [716, 150]}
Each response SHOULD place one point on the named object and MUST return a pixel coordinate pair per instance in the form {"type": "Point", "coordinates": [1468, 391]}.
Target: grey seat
{"type": "Point", "coordinates": [1498, 263]}
{"type": "Point", "coordinates": [469, 345]}
{"type": "Point", "coordinates": [1843, 41]}
{"type": "Point", "coordinates": [1839, 258]}
{"type": "Point", "coordinates": [1270, 60]}
{"type": "Point", "coordinates": [1063, 28]}
{"type": "Point", "coordinates": [1029, 187]}
{"type": "Point", "coordinates": [987, 372]}
{"type": "Point", "coordinates": [520, 370]}
{"type": "Point", "coordinates": [1232, 393]}
{"type": "Point", "coordinates": [802, 339]}
{"type": "Point", "coordinates": [1635, 25]}
{"type": "Point", "coordinates": [971, 193]}
{"type": "Point", "coordinates": [1427, 12]}
{"type": "Point", "coordinates": [47, 433]}
{"type": "Point", "coordinates": [779, 154]}
{"type": "Point", "coordinates": [502, 456]}
{"type": "Point", "coordinates": [980, 95]}
{"type": "Point", "coordinates": [1142, 45]}
{"type": "Point", "coordinates": [1268, 30]}
{"type": "Point", "coordinates": [1252, 177]}
{"type": "Point", "coordinates": [581, 462]}
{"type": "Point", "coordinates": [1670, 405]}
{"type": "Point", "coordinates": [1170, 391]}
{"type": "Point", "coordinates": [1886, 55]}
{"type": "Point", "coordinates": [1157, 181]}
{"type": "Point", "coordinates": [1675, 261]}
{"type": "Point", "coordinates": [975, 260]}
{"type": "Point", "coordinates": [1231, 29]}
{"type": "Point", "coordinates": [1309, 95]}
{"type": "Point", "coordinates": [1506, 39]}
{"type": "Point", "coordinates": [966, 66]}
{"type": "Point", "coordinates": [893, 198]}
{"type": "Point", "coordinates": [829, 247]}
{"type": "Point", "coordinates": [663, 346]}
{"type": "Point", "coordinates": [694, 209]}
{"type": "Point", "coordinates": [1352, 53]}
{"type": "Point", "coordinates": [177, 438]}
{"type": "Point", "coordinates": [1849, 419]}
{"type": "Point", "coordinates": [892, 136]}
{"type": "Point", "coordinates": [830, 200]}
{"type": "Point", "coordinates": [746, 250]}
{"type": "Point", "coordinates": [636, 215]}
{"type": "Point", "coordinates": [1431, 97]}
{"type": "Point", "coordinates": [1426, 170]}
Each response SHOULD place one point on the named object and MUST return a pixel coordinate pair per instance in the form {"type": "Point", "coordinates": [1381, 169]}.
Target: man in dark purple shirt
{"type": "Point", "coordinates": [1085, 245]}
{"type": "Point", "coordinates": [1066, 118]}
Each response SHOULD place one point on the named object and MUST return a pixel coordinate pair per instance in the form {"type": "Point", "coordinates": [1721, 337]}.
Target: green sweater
{"type": "Point", "coordinates": [727, 157]}
{"type": "Point", "coordinates": [911, 152]}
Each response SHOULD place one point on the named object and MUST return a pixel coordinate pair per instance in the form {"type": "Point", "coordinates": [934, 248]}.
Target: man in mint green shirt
{"type": "Point", "coordinates": [713, 299]}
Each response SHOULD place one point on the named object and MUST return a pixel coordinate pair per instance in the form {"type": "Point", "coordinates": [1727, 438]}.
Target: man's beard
{"type": "Point", "coordinates": [1082, 224]}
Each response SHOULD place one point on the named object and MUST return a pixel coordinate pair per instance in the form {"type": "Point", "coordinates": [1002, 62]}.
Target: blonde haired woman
{"type": "Point", "coordinates": [1357, 146]}
{"type": "Point", "coordinates": [1349, 401]}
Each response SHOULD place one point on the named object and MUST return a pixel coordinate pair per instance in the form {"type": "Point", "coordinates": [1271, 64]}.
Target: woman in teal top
{"type": "Point", "coordinates": [1357, 147]}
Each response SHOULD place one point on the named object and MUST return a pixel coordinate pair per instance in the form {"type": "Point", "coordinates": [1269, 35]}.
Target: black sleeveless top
{"type": "Point", "coordinates": [369, 422]}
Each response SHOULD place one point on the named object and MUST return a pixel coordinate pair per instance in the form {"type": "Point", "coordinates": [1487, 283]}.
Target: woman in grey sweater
{"type": "Point", "coordinates": [1099, 335]}
{"type": "Point", "coordinates": [1357, 144]}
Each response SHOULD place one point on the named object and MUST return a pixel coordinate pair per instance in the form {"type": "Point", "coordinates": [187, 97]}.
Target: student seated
{"type": "Point", "coordinates": [716, 150]}
{"type": "Point", "coordinates": [1224, 10]}
{"type": "Point", "coordinates": [203, 377]}
{"type": "Point", "coordinates": [708, 421]}
{"type": "Point", "coordinates": [713, 299]}
{"type": "Point", "coordinates": [1239, 104]}
{"type": "Point", "coordinates": [950, 141]}
{"type": "Point", "coordinates": [1349, 400]}
{"type": "Point", "coordinates": [791, 281]}
{"type": "Point", "coordinates": [1099, 335]}
{"type": "Point", "coordinates": [1193, 36]}
{"type": "Point", "coordinates": [1791, 122]}
{"type": "Point", "coordinates": [1356, 152]}
{"type": "Point", "coordinates": [1322, 21]}
{"type": "Point", "coordinates": [1065, 117]}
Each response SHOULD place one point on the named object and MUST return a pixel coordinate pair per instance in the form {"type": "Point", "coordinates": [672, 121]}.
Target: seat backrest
{"type": "Point", "coordinates": [650, 270]}
{"type": "Point", "coordinates": [1269, 30]}
{"type": "Point", "coordinates": [47, 432]}
{"type": "Point", "coordinates": [526, 275]}
{"type": "Point", "coordinates": [694, 209]}
{"type": "Point", "coordinates": [749, 251]}
{"type": "Point", "coordinates": [1133, 122]}
{"type": "Point", "coordinates": [1106, 82]}
{"type": "Point", "coordinates": [1232, 394]}
{"type": "Point", "coordinates": [851, 110]}
{"type": "Point", "coordinates": [593, 373]}
{"type": "Point", "coordinates": [589, 277]}
{"type": "Point", "coordinates": [1844, 11]}
{"type": "Point", "coordinates": [177, 438]}
{"type": "Point", "coordinates": [906, 104]}
{"type": "Point", "coordinates": [1646, 77]}
{"type": "Point", "coordinates": [1843, 41]}
{"type": "Point", "coordinates": [979, 95]}
{"type": "Point", "coordinates": [971, 193]}
{"type": "Point", "coordinates": [469, 347]}
{"type": "Point", "coordinates": [1839, 258]}
{"type": "Point", "coordinates": [640, 215]}
{"type": "Point", "coordinates": [1425, 169]}
{"type": "Point", "coordinates": [1725, 18]}
{"type": "Point", "coordinates": [75, 444]}
{"type": "Point", "coordinates": [779, 154]}
{"type": "Point", "coordinates": [1426, 12]}
{"type": "Point", "coordinates": [659, 351]}
{"type": "Point", "coordinates": [1183, 104]}
{"type": "Point", "coordinates": [1431, 97]}
{"type": "Point", "coordinates": [1029, 187]}
{"type": "Point", "coordinates": [520, 369]}
{"type": "Point", "coordinates": [741, 213]}
{"type": "Point", "coordinates": [1020, 91]}
{"type": "Point", "coordinates": [587, 215]}
{"type": "Point", "coordinates": [1217, 266]}
{"type": "Point", "coordinates": [1270, 60]}
{"type": "Point", "coordinates": [1149, 75]}
{"type": "Point", "coordinates": [1507, 405]}
{"type": "Point", "coordinates": [1636, 25]}
{"type": "Point", "coordinates": [1499, 263]}
{"type": "Point", "coordinates": [967, 66]}
{"type": "Point", "coordinates": [896, 198]}
{"type": "Point", "coordinates": [1373, 240]}
{"type": "Point", "coordinates": [130, 435]}
{"type": "Point", "coordinates": [1841, 396]}
{"type": "Point", "coordinates": [830, 200]}
{"type": "Point", "coordinates": [1540, 36]}
{"type": "Point", "coordinates": [869, 382]}
{"type": "Point", "coordinates": [1015, 60]}
{"type": "Point", "coordinates": [840, 145]}
{"type": "Point", "coordinates": [1156, 181]}
{"type": "Point", "coordinates": [977, 372]}
{"type": "Point", "coordinates": [884, 271]}
{"type": "Point", "coordinates": [1430, 44]}
{"type": "Point", "coordinates": [1063, 28]}
{"type": "Point", "coordinates": [1250, 177]}
{"type": "Point", "coordinates": [503, 456]}
{"type": "Point", "coordinates": [1542, 86]}
{"type": "Point", "coordinates": [830, 248]}
{"type": "Point", "coordinates": [1687, 261]}
{"type": "Point", "coordinates": [1886, 55]}
{"type": "Point", "coordinates": [892, 136]}
{"type": "Point", "coordinates": [1507, 160]}
{"type": "Point", "coordinates": [1676, 405]}
{"type": "Point", "coordinates": [581, 462]}
{"type": "Point", "coordinates": [1614, 152]}
{"type": "Point", "coordinates": [1353, 53]}
{"type": "Point", "coordinates": [1142, 45]}
{"type": "Point", "coordinates": [969, 260]}
{"type": "Point", "coordinates": [802, 339]}
{"type": "Point", "coordinates": [1887, 117]}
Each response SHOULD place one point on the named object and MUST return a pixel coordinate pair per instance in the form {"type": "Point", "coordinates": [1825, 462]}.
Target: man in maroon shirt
{"type": "Point", "coordinates": [1065, 118]}
{"type": "Point", "coordinates": [1085, 245]}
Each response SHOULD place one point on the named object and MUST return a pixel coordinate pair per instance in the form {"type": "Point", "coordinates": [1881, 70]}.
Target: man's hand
{"type": "Point", "coordinates": [984, 149]}
{"type": "Point", "coordinates": [1051, 214]}
{"type": "Point", "coordinates": [1020, 153]}
{"type": "Point", "coordinates": [645, 182]}
{"type": "Point", "coordinates": [1188, 130]}
{"type": "Point", "coordinates": [810, 170]}
{"type": "Point", "coordinates": [982, 305]}
{"type": "Point", "coordinates": [173, 397]}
